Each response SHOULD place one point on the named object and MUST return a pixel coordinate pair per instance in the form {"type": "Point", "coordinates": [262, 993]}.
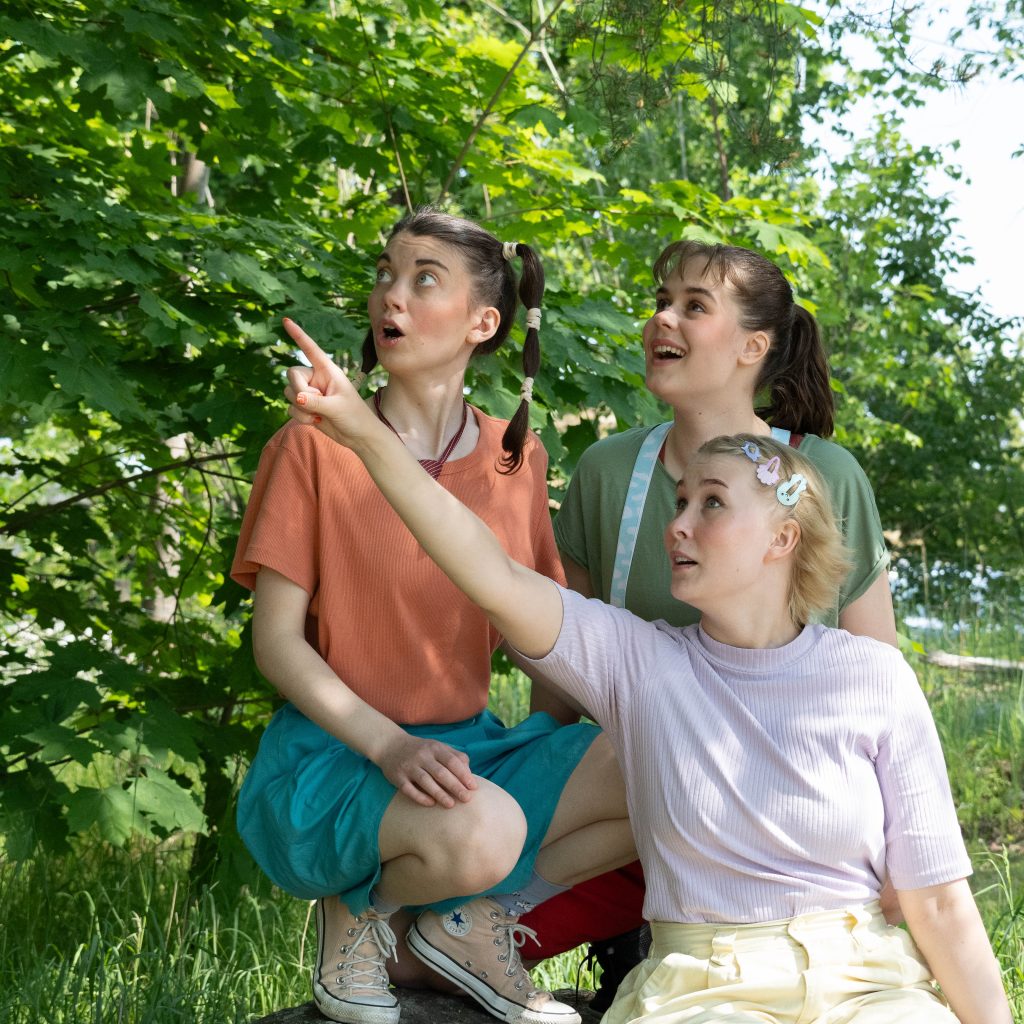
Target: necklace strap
{"type": "Point", "coordinates": [432, 466]}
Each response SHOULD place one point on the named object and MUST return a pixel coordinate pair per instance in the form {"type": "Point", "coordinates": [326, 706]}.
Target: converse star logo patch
{"type": "Point", "coordinates": [457, 922]}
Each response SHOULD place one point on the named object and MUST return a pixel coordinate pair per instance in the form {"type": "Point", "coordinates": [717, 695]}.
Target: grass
{"type": "Point", "coordinates": [119, 936]}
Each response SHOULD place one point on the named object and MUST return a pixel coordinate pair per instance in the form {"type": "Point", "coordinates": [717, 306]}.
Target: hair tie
{"type": "Point", "coordinates": [508, 250]}
{"type": "Point", "coordinates": [533, 318]}
{"type": "Point", "coordinates": [526, 391]}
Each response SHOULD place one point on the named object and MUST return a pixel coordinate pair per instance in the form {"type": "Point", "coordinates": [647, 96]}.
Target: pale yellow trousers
{"type": "Point", "coordinates": [833, 967]}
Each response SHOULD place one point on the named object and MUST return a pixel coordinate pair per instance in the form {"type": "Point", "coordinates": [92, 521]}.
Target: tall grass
{"type": "Point", "coordinates": [120, 937]}
{"type": "Point", "coordinates": [106, 936]}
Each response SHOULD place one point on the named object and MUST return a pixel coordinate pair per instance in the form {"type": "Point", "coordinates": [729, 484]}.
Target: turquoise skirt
{"type": "Point", "coordinates": [310, 808]}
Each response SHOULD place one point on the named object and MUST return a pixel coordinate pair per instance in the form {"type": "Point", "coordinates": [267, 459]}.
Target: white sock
{"type": "Point", "coordinates": [381, 906]}
{"type": "Point", "coordinates": [536, 891]}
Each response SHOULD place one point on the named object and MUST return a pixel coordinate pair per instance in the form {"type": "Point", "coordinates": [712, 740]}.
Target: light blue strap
{"type": "Point", "coordinates": [633, 511]}
{"type": "Point", "coordinates": [781, 434]}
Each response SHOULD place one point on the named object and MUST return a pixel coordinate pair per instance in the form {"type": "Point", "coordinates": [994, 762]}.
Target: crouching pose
{"type": "Point", "coordinates": [774, 769]}
{"type": "Point", "coordinates": [383, 788]}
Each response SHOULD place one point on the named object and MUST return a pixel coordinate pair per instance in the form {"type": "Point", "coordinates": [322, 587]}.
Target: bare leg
{"type": "Point", "coordinates": [429, 854]}
{"type": "Point", "coordinates": [589, 832]}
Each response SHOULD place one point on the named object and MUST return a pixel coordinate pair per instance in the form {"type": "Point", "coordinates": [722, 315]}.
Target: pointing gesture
{"type": "Point", "coordinates": [322, 395]}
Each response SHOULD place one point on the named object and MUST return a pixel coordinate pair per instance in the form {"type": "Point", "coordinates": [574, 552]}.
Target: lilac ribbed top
{"type": "Point", "coordinates": [763, 784]}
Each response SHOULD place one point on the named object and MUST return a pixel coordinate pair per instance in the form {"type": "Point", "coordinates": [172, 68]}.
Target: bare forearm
{"type": "Point", "coordinates": [945, 923]}
{"type": "Point", "coordinates": [304, 678]}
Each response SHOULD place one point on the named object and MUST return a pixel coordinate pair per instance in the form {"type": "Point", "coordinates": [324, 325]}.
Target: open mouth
{"type": "Point", "coordinates": [682, 560]}
{"type": "Point", "coordinates": [391, 332]}
{"type": "Point", "coordinates": [666, 352]}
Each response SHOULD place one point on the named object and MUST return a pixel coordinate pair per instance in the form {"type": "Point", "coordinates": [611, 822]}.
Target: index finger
{"type": "Point", "coordinates": [317, 357]}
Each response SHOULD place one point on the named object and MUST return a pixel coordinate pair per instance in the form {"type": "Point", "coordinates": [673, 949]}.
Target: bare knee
{"type": "Point", "coordinates": [483, 842]}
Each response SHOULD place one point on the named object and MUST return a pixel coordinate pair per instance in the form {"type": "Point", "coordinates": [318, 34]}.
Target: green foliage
{"type": "Point", "coordinates": [174, 178]}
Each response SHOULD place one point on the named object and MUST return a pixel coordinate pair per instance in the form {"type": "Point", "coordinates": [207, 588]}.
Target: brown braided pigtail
{"type": "Point", "coordinates": [531, 292]}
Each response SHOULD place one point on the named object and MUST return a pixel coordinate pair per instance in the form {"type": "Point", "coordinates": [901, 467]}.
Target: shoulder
{"type": "Point", "coordinates": [614, 450]}
{"type": "Point", "coordinates": [306, 449]}
{"type": "Point", "coordinates": [492, 430]}
{"type": "Point", "coordinates": [833, 461]}
{"type": "Point", "coordinates": [887, 660]}
{"type": "Point", "coordinates": [829, 457]}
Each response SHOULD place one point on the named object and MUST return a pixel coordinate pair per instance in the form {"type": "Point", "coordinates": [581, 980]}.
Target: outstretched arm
{"type": "Point", "coordinates": [946, 925]}
{"type": "Point", "coordinates": [522, 604]}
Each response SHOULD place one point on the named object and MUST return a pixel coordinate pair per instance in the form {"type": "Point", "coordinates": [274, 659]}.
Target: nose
{"type": "Point", "coordinates": [680, 525]}
{"type": "Point", "coordinates": [666, 316]}
{"type": "Point", "coordinates": [393, 296]}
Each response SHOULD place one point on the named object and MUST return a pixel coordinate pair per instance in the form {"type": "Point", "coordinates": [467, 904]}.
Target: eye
{"type": "Point", "coordinates": [426, 279]}
{"type": "Point", "coordinates": [383, 275]}
{"type": "Point", "coordinates": [694, 306]}
{"type": "Point", "coordinates": [660, 303]}
{"type": "Point", "coordinates": [712, 501]}
{"type": "Point", "coordinates": [680, 504]}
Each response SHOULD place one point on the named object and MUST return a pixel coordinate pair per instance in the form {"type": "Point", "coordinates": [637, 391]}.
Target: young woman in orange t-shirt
{"type": "Point", "coordinates": [384, 783]}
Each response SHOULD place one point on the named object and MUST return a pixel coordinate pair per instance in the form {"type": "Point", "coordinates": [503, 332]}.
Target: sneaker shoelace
{"type": "Point", "coordinates": [513, 935]}
{"type": "Point", "coordinates": [367, 971]}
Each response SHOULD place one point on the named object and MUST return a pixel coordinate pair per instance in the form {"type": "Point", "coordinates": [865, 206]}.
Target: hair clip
{"type": "Point", "coordinates": [789, 492]}
{"type": "Point", "coordinates": [768, 472]}
{"type": "Point", "coordinates": [752, 452]}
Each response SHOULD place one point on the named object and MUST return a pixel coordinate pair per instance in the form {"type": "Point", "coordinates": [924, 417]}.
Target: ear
{"type": "Point", "coordinates": [755, 348]}
{"type": "Point", "coordinates": [784, 543]}
{"type": "Point", "coordinates": [487, 319]}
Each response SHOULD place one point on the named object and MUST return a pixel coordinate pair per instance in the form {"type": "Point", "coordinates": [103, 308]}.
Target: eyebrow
{"type": "Point", "coordinates": [425, 262]}
{"type": "Point", "coordinates": [713, 481]}
{"type": "Point", "coordinates": [689, 290]}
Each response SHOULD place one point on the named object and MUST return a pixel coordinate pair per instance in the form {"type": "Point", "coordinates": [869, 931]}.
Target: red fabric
{"type": "Point", "coordinates": [600, 908]}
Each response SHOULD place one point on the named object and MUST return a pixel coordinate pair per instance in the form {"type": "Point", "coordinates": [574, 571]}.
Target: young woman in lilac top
{"type": "Point", "coordinates": [774, 769]}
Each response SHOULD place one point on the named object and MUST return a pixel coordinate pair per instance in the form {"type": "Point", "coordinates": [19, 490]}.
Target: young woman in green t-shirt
{"type": "Point", "coordinates": [730, 352]}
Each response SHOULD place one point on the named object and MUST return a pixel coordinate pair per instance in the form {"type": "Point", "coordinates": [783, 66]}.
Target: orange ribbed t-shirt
{"type": "Point", "coordinates": [392, 626]}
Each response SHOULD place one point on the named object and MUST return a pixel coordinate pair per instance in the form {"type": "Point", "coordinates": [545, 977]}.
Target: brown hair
{"type": "Point", "coordinates": [494, 284]}
{"type": "Point", "coordinates": [820, 560]}
{"type": "Point", "coordinates": [795, 371]}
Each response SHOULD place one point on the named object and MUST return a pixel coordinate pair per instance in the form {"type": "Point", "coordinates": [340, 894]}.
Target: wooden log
{"type": "Point", "coordinates": [966, 663]}
{"type": "Point", "coordinates": [422, 1006]}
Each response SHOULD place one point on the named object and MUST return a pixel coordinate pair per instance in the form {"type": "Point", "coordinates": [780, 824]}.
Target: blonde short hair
{"type": "Point", "coordinates": [821, 560]}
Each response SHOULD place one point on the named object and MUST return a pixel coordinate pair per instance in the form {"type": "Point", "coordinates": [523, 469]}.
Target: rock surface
{"type": "Point", "coordinates": [420, 1006]}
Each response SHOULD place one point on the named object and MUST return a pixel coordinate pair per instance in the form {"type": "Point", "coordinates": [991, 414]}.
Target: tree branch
{"type": "Point", "coordinates": [387, 110]}
{"type": "Point", "coordinates": [460, 159]}
{"type": "Point", "coordinates": [15, 523]}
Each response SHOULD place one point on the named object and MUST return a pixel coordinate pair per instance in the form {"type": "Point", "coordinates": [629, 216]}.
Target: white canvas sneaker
{"type": "Point", "coordinates": [477, 947]}
{"type": "Point", "coordinates": [350, 981]}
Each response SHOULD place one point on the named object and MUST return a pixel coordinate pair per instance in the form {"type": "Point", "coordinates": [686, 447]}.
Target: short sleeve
{"type": "Point", "coordinates": [601, 656]}
{"type": "Point", "coordinates": [279, 528]}
{"type": "Point", "coordinates": [853, 505]}
{"type": "Point", "coordinates": [857, 513]}
{"type": "Point", "coordinates": [924, 844]}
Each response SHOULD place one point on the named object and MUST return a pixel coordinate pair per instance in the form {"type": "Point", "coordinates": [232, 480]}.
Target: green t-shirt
{"type": "Point", "coordinates": [587, 525]}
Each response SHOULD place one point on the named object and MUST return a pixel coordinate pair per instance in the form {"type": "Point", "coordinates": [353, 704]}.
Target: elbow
{"type": "Point", "coordinates": [266, 649]}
